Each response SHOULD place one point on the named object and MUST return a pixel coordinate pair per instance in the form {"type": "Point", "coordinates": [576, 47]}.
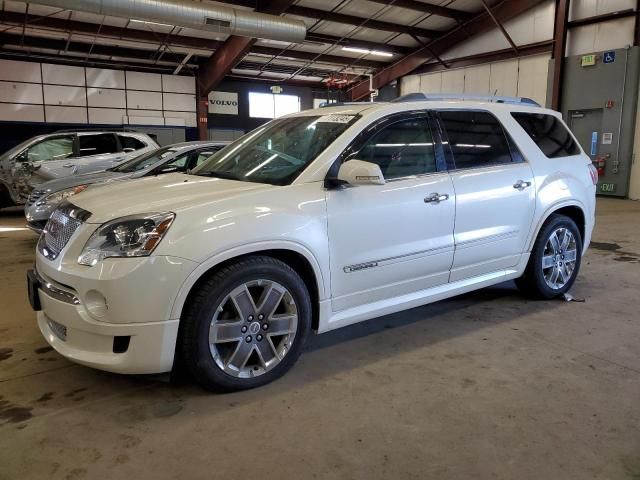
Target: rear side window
{"type": "Point", "coordinates": [130, 143]}
{"type": "Point", "coordinates": [548, 133]}
{"type": "Point", "coordinates": [476, 138]}
{"type": "Point", "coordinates": [97, 144]}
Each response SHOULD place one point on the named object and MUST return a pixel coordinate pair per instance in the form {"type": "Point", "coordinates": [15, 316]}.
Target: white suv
{"type": "Point", "coordinates": [313, 221]}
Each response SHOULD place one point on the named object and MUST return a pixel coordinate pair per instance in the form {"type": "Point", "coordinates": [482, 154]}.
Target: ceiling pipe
{"type": "Point", "coordinates": [200, 15]}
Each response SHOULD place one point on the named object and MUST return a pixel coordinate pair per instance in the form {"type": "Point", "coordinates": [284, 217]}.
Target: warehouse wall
{"type": "Point", "coordinates": [48, 93]}
{"type": "Point", "coordinates": [524, 77]}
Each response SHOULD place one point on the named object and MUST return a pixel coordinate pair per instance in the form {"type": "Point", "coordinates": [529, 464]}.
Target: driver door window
{"type": "Point", "coordinates": [179, 163]}
{"type": "Point", "coordinates": [57, 148]}
{"type": "Point", "coordinates": [402, 149]}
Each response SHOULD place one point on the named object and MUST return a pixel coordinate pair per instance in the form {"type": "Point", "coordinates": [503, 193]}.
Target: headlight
{"type": "Point", "coordinates": [133, 236]}
{"type": "Point", "coordinates": [56, 197]}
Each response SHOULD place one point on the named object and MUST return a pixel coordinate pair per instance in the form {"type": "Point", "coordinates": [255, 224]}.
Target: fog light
{"type": "Point", "coordinates": [96, 304]}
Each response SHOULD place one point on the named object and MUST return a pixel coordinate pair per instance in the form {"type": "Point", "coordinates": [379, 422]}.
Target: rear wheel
{"type": "Point", "coordinates": [246, 325]}
{"type": "Point", "coordinates": [555, 259]}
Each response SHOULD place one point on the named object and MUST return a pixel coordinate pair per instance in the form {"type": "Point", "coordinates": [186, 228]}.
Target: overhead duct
{"type": "Point", "coordinates": [201, 16]}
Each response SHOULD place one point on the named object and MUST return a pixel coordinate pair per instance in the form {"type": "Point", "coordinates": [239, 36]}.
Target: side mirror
{"type": "Point", "coordinates": [359, 172]}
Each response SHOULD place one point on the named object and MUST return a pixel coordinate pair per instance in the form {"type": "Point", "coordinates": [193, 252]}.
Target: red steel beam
{"type": "Point", "coordinates": [559, 47]}
{"type": "Point", "coordinates": [504, 11]}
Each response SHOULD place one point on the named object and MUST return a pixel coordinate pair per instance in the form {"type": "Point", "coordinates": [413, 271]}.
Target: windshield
{"type": "Point", "coordinates": [145, 160]}
{"type": "Point", "coordinates": [277, 152]}
{"type": "Point", "coordinates": [17, 148]}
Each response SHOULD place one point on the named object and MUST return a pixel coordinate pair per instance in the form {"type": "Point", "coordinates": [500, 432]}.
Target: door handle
{"type": "Point", "coordinates": [436, 198]}
{"type": "Point", "coordinates": [68, 165]}
{"type": "Point", "coordinates": [521, 185]}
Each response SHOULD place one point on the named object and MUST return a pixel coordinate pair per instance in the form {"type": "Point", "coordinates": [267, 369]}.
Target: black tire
{"type": "Point", "coordinates": [194, 350]}
{"type": "Point", "coordinates": [533, 282]}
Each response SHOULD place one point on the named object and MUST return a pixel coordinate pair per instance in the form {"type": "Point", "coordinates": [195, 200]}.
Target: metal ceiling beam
{"type": "Point", "coordinates": [498, 23]}
{"type": "Point", "coordinates": [338, 17]}
{"type": "Point", "coordinates": [559, 48]}
{"type": "Point", "coordinates": [482, 22]}
{"type": "Point", "coordinates": [427, 8]}
{"type": "Point", "coordinates": [147, 36]}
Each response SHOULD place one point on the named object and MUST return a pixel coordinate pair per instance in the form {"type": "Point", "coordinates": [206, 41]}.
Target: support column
{"type": "Point", "coordinates": [559, 48]}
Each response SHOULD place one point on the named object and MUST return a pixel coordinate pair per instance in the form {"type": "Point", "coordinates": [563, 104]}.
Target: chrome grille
{"type": "Point", "coordinates": [61, 226]}
{"type": "Point", "coordinates": [35, 196]}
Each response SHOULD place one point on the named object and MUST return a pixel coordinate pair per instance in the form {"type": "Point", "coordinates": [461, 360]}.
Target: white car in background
{"type": "Point", "coordinates": [61, 154]}
{"type": "Point", "coordinates": [311, 222]}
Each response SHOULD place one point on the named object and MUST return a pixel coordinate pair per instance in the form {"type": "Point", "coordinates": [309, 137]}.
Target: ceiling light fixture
{"type": "Point", "coordinates": [367, 52]}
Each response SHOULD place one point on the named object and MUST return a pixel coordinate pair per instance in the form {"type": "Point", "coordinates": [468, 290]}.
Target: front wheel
{"type": "Point", "coordinates": [555, 259]}
{"type": "Point", "coordinates": [246, 325]}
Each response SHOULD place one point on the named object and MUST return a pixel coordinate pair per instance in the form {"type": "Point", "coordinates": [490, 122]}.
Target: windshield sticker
{"type": "Point", "coordinates": [336, 118]}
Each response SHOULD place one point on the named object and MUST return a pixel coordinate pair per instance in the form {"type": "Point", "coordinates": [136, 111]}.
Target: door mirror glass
{"type": "Point", "coordinates": [357, 172]}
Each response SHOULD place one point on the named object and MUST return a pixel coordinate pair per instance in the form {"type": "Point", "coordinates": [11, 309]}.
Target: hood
{"type": "Point", "coordinates": [75, 180]}
{"type": "Point", "coordinates": [164, 193]}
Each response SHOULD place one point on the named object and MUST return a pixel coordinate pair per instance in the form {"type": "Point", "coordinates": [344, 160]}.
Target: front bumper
{"type": "Point", "coordinates": [114, 316]}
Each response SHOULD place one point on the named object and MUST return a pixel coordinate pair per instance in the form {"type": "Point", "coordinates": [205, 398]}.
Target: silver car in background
{"type": "Point", "coordinates": [179, 157]}
{"type": "Point", "coordinates": [63, 154]}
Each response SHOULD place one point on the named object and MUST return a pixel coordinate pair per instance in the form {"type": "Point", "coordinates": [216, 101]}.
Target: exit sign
{"type": "Point", "coordinates": [588, 60]}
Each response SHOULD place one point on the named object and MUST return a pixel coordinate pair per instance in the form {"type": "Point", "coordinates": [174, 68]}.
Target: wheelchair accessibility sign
{"type": "Point", "coordinates": [609, 57]}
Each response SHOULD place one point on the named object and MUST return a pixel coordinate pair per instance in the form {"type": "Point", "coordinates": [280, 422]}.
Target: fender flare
{"type": "Point", "coordinates": [218, 258]}
{"type": "Point", "coordinates": [550, 211]}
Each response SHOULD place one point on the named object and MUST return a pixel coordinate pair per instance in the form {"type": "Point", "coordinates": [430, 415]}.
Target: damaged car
{"type": "Point", "coordinates": [57, 155]}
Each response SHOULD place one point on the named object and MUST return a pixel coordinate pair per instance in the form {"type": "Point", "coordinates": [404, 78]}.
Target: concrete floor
{"type": "Point", "coordinates": [485, 386]}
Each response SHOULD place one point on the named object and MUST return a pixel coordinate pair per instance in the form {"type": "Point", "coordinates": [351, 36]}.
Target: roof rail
{"type": "Point", "coordinates": [417, 97]}
{"type": "Point", "coordinates": [339, 104]}
{"type": "Point", "coordinates": [89, 130]}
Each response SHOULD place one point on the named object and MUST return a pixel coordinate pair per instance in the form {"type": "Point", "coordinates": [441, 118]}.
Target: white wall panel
{"type": "Point", "coordinates": [15, 112]}
{"type": "Point", "coordinates": [65, 114]}
{"type": "Point", "coordinates": [100, 77]}
{"type": "Point", "coordinates": [146, 120]}
{"type": "Point", "coordinates": [453, 81]}
{"type": "Point", "coordinates": [112, 116]}
{"type": "Point", "coordinates": [62, 74]}
{"type": "Point", "coordinates": [145, 113]}
{"type": "Point", "coordinates": [504, 78]}
{"type": "Point", "coordinates": [17, 92]}
{"type": "Point", "coordinates": [601, 36]}
{"type": "Point", "coordinates": [20, 71]}
{"type": "Point", "coordinates": [431, 83]}
{"type": "Point", "coordinates": [532, 78]}
{"type": "Point", "coordinates": [68, 96]}
{"type": "Point", "coordinates": [174, 121]}
{"type": "Point", "coordinates": [106, 97]}
{"type": "Point", "coordinates": [535, 25]}
{"type": "Point", "coordinates": [476, 79]}
{"type": "Point", "coordinates": [190, 119]}
{"type": "Point", "coordinates": [409, 84]}
{"type": "Point", "coordinates": [590, 8]}
{"type": "Point", "coordinates": [144, 100]}
{"type": "Point", "coordinates": [178, 84]}
{"type": "Point", "coordinates": [485, 42]}
{"type": "Point", "coordinates": [179, 102]}
{"type": "Point", "coordinates": [144, 81]}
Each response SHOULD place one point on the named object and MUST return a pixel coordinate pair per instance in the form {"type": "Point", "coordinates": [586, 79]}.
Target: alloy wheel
{"type": "Point", "coordinates": [253, 328]}
{"type": "Point", "coordinates": [559, 258]}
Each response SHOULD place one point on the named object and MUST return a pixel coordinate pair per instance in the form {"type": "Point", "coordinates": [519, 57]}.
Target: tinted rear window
{"type": "Point", "coordinates": [476, 138]}
{"type": "Point", "coordinates": [551, 136]}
